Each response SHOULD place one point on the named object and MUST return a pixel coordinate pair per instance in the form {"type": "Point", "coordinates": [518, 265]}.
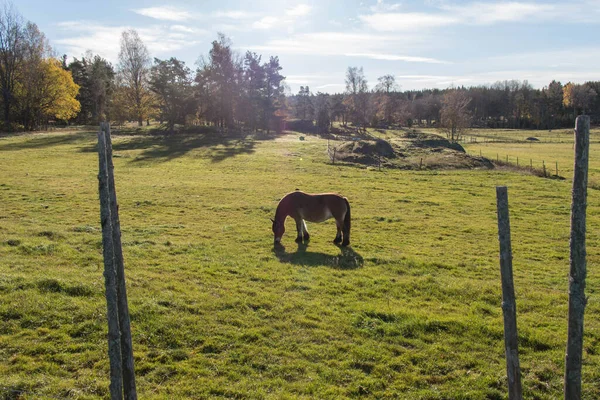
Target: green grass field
{"type": "Point", "coordinates": [410, 311]}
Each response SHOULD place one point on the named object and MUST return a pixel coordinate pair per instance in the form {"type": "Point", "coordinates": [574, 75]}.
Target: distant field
{"type": "Point", "coordinates": [411, 311]}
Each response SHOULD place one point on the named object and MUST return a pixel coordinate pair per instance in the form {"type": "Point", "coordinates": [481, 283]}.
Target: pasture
{"type": "Point", "coordinates": [411, 310]}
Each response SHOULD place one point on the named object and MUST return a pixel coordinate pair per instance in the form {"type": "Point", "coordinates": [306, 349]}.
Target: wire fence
{"type": "Point", "coordinates": [542, 167]}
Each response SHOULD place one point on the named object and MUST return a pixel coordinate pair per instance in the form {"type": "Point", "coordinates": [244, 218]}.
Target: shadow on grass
{"type": "Point", "coordinates": [168, 147]}
{"type": "Point", "coordinates": [40, 141]}
{"type": "Point", "coordinates": [156, 145]}
{"type": "Point", "coordinates": [347, 259]}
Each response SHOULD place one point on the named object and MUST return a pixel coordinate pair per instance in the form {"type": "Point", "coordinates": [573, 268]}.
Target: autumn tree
{"type": "Point", "coordinates": [134, 66]}
{"type": "Point", "coordinates": [51, 96]}
{"type": "Point", "coordinates": [118, 103]}
{"type": "Point", "coordinates": [454, 115]}
{"type": "Point", "coordinates": [45, 90]}
{"type": "Point", "coordinates": [171, 81]}
{"type": "Point", "coordinates": [384, 101]}
{"type": "Point", "coordinates": [579, 97]}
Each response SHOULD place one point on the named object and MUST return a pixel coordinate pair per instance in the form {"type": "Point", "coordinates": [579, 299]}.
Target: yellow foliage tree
{"type": "Point", "coordinates": [59, 92]}
{"type": "Point", "coordinates": [47, 91]}
{"type": "Point", "coordinates": [568, 94]}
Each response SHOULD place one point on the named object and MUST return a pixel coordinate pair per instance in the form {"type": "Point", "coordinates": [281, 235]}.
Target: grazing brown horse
{"type": "Point", "coordinates": [313, 208]}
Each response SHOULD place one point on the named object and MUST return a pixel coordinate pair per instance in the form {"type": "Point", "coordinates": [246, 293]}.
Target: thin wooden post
{"type": "Point", "coordinates": [509, 308]}
{"type": "Point", "coordinates": [110, 276]}
{"type": "Point", "coordinates": [556, 168]}
{"type": "Point", "coordinates": [124, 320]}
{"type": "Point", "coordinates": [120, 345]}
{"type": "Point", "coordinates": [577, 274]}
{"type": "Point", "coordinates": [544, 167]}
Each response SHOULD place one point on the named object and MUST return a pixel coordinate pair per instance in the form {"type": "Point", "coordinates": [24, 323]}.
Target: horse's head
{"type": "Point", "coordinates": [278, 230]}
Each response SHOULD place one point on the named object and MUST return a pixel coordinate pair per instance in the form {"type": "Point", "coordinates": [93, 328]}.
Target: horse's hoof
{"type": "Point", "coordinates": [306, 238]}
{"type": "Point", "coordinates": [298, 239]}
{"type": "Point", "coordinates": [345, 243]}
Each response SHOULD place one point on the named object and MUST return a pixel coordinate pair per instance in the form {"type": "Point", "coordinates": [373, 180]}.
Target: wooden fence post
{"type": "Point", "coordinates": [509, 308]}
{"type": "Point", "coordinates": [577, 300]}
{"type": "Point", "coordinates": [110, 276]}
{"type": "Point", "coordinates": [120, 345]}
{"type": "Point", "coordinates": [544, 167]}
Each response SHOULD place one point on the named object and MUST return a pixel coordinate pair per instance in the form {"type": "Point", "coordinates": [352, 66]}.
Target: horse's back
{"type": "Point", "coordinates": [316, 207]}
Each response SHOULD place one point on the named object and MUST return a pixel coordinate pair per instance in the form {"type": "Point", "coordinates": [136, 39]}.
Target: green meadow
{"type": "Point", "coordinates": [411, 310]}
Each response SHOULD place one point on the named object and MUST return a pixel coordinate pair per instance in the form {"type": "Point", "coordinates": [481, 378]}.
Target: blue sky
{"type": "Point", "coordinates": [424, 44]}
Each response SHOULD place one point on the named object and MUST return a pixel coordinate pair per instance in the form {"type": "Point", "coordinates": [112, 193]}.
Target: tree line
{"type": "Point", "coordinates": [228, 90]}
{"type": "Point", "coordinates": [34, 86]}
{"type": "Point", "coordinates": [244, 92]}
{"type": "Point", "coordinates": [508, 104]}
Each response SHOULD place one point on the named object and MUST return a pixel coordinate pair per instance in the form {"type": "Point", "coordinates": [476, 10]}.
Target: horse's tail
{"type": "Point", "coordinates": [347, 218]}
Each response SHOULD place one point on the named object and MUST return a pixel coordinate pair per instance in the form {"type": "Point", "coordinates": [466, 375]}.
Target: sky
{"type": "Point", "coordinates": [424, 44]}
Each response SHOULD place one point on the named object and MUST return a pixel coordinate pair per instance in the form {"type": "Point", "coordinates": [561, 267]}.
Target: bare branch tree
{"type": "Point", "coordinates": [455, 115]}
{"type": "Point", "coordinates": [11, 54]}
{"type": "Point", "coordinates": [134, 65]}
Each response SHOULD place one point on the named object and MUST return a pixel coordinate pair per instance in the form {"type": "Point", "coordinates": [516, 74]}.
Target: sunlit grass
{"type": "Point", "coordinates": [412, 311]}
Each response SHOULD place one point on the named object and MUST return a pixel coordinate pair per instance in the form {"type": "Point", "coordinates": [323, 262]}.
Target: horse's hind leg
{"type": "Point", "coordinates": [338, 237]}
{"type": "Point", "coordinates": [305, 234]}
{"type": "Point", "coordinates": [299, 229]}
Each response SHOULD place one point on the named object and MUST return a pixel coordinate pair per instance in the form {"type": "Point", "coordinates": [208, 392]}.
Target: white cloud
{"type": "Point", "coordinates": [299, 11]}
{"type": "Point", "coordinates": [105, 40]}
{"type": "Point", "coordinates": [331, 86]}
{"type": "Point", "coordinates": [185, 29]}
{"type": "Point", "coordinates": [234, 14]}
{"type": "Point", "coordinates": [304, 79]}
{"type": "Point", "coordinates": [265, 23]}
{"type": "Point", "coordinates": [390, 22]}
{"type": "Point", "coordinates": [393, 57]}
{"type": "Point", "coordinates": [491, 13]}
{"type": "Point", "coordinates": [167, 13]}
{"type": "Point", "coordinates": [383, 7]}
{"type": "Point", "coordinates": [386, 18]}
{"type": "Point", "coordinates": [365, 45]}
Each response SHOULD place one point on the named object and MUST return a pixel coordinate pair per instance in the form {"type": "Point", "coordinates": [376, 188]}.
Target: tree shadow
{"type": "Point", "coordinates": [347, 259]}
{"type": "Point", "coordinates": [40, 141]}
{"type": "Point", "coordinates": [165, 147]}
